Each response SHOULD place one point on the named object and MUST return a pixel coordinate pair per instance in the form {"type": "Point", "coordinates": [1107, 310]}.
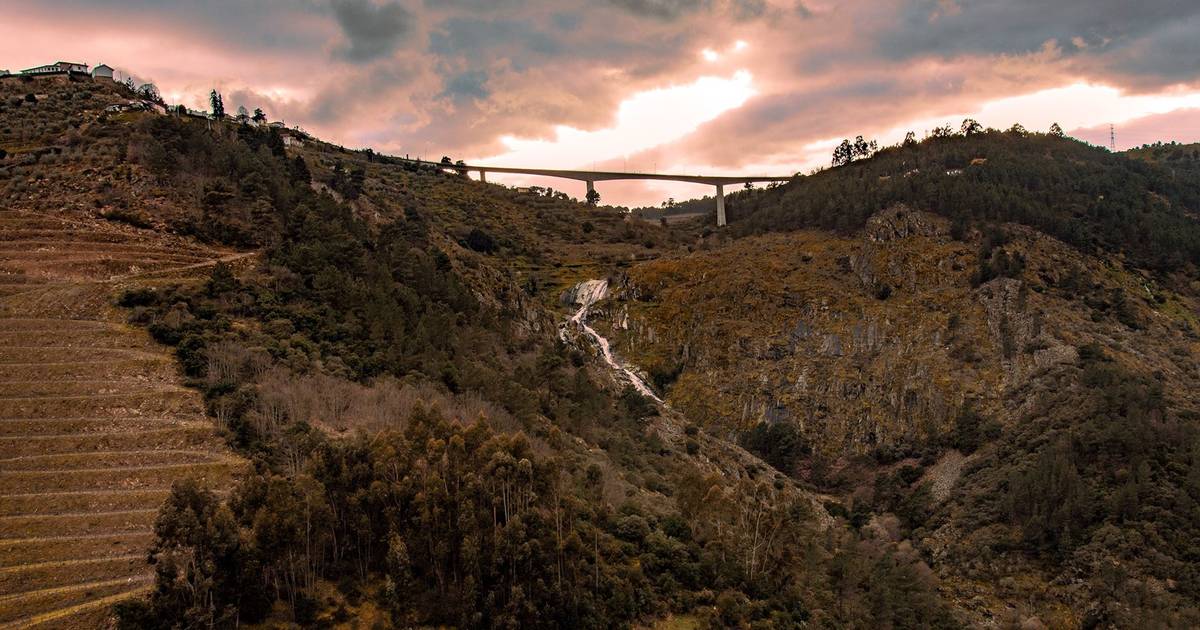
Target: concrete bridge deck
{"type": "Point", "coordinates": [591, 177]}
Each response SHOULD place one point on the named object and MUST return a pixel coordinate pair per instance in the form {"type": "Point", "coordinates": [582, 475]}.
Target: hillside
{"type": "Point", "coordinates": [95, 423]}
{"type": "Point", "coordinates": [950, 385]}
{"type": "Point", "coordinates": [1079, 194]}
{"type": "Point", "coordinates": [1181, 161]}
{"type": "Point", "coordinates": [986, 363]}
{"type": "Point", "coordinates": [426, 448]}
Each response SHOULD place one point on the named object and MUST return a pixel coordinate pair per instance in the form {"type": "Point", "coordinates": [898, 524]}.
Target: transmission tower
{"type": "Point", "coordinates": [1112, 138]}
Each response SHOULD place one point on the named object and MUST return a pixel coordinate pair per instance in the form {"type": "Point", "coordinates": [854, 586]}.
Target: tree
{"type": "Point", "coordinates": [593, 197]}
{"type": "Point", "coordinates": [843, 154]}
{"type": "Point", "coordinates": [217, 104]}
{"type": "Point", "coordinates": [910, 139]}
{"type": "Point", "coordinates": [1017, 129]}
{"type": "Point", "coordinates": [202, 577]}
{"type": "Point", "coordinates": [863, 149]}
{"type": "Point", "coordinates": [480, 241]}
{"type": "Point", "coordinates": [259, 116]}
{"type": "Point", "coordinates": [971, 127]}
{"type": "Point", "coordinates": [942, 132]}
{"type": "Point", "coordinates": [1055, 130]}
{"type": "Point", "coordinates": [149, 92]}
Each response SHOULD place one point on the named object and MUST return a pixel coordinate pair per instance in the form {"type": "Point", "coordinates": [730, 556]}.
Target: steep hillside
{"type": "Point", "coordinates": [95, 423]}
{"type": "Point", "coordinates": [1182, 161]}
{"type": "Point", "coordinates": [1080, 194]}
{"type": "Point", "coordinates": [427, 448]}
{"type": "Point", "coordinates": [1011, 403]}
{"type": "Point", "coordinates": [954, 384]}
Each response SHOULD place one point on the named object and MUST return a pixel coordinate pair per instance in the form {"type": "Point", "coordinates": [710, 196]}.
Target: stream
{"type": "Point", "coordinates": [585, 295]}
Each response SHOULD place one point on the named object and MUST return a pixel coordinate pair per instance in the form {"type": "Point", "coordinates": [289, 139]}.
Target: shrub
{"type": "Point", "coordinates": [480, 241]}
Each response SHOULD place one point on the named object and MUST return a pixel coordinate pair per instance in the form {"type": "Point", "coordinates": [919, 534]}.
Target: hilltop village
{"type": "Point", "coordinates": [146, 96]}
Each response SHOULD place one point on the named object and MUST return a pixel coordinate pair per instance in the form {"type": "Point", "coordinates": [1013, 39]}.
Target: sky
{"type": "Point", "coordinates": [757, 87]}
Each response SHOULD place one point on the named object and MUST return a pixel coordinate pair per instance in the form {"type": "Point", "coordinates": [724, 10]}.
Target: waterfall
{"type": "Point", "coordinates": [585, 294]}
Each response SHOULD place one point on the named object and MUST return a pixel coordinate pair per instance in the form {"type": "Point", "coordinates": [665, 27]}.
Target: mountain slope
{"type": "Point", "coordinates": [95, 422]}
{"type": "Point", "coordinates": [426, 448]}
{"type": "Point", "coordinates": [1080, 194]}
{"type": "Point", "coordinates": [1011, 403]}
{"type": "Point", "coordinates": [965, 396]}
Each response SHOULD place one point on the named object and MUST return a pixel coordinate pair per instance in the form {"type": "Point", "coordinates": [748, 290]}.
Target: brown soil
{"type": "Point", "coordinates": [95, 423]}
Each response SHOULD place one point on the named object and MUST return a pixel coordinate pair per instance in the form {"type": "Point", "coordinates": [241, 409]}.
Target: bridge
{"type": "Point", "coordinates": [591, 177]}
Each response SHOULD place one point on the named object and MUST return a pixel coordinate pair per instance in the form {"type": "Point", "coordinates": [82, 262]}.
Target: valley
{"type": "Point", "coordinates": [248, 376]}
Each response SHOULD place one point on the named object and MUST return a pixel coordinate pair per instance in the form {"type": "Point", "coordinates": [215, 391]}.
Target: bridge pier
{"type": "Point", "coordinates": [591, 188]}
{"type": "Point", "coordinates": [483, 176]}
{"type": "Point", "coordinates": [720, 205]}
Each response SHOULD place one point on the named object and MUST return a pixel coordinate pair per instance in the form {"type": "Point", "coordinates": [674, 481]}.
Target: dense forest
{"type": "Point", "coordinates": [1081, 194]}
{"type": "Point", "coordinates": [418, 446]}
{"type": "Point", "coordinates": [1084, 474]}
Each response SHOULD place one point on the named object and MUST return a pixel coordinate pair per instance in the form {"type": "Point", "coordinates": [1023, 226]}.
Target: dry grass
{"type": "Point", "coordinates": [95, 424]}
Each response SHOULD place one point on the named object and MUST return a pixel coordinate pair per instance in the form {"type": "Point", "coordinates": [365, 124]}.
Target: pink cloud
{"type": "Point", "coordinates": [455, 77]}
{"type": "Point", "coordinates": [1181, 125]}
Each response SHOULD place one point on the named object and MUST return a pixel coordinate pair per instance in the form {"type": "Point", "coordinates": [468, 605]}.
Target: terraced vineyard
{"type": "Point", "coordinates": [95, 424]}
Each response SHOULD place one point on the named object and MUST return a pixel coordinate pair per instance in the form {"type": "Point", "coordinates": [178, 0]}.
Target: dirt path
{"type": "Point", "coordinates": [95, 423]}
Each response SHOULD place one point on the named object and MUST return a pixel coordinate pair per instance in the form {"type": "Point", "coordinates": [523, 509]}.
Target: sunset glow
{"type": "Point", "coordinates": [733, 88]}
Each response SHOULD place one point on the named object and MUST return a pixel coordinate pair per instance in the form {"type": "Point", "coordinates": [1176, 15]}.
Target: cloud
{"type": "Point", "coordinates": [1181, 125]}
{"type": "Point", "coordinates": [1136, 43]}
{"type": "Point", "coordinates": [456, 76]}
{"type": "Point", "coordinates": [662, 9]}
{"type": "Point", "coordinates": [372, 30]}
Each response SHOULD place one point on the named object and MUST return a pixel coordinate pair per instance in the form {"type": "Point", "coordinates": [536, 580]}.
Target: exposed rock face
{"type": "Point", "coordinates": [799, 327]}
{"type": "Point", "coordinates": [796, 328]}
{"type": "Point", "coordinates": [944, 474]}
{"type": "Point", "coordinates": [901, 222]}
{"type": "Point", "coordinates": [585, 293]}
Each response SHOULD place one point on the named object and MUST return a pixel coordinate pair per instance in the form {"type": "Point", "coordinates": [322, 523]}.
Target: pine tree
{"type": "Point", "coordinates": [218, 105]}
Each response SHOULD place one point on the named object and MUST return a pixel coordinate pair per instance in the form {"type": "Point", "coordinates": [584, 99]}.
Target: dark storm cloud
{"type": "Point", "coordinates": [1094, 34]}
{"type": "Point", "coordinates": [662, 9]}
{"type": "Point", "coordinates": [747, 9]}
{"type": "Point", "coordinates": [474, 71]}
{"type": "Point", "coordinates": [479, 39]}
{"type": "Point", "coordinates": [468, 84]}
{"type": "Point", "coordinates": [372, 30]}
{"type": "Point", "coordinates": [1171, 55]}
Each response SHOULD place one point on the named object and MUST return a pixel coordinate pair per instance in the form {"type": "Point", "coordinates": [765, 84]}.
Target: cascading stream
{"type": "Point", "coordinates": [585, 295]}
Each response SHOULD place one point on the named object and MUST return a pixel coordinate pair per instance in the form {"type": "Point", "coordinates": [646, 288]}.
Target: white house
{"type": "Point", "coordinates": [102, 71]}
{"type": "Point", "coordinates": [58, 67]}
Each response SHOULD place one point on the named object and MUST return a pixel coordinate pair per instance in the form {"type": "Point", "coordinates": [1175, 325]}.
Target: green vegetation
{"type": "Point", "coordinates": [417, 445]}
{"type": "Point", "coordinates": [1103, 484]}
{"type": "Point", "coordinates": [427, 452]}
{"type": "Point", "coordinates": [1080, 194]}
